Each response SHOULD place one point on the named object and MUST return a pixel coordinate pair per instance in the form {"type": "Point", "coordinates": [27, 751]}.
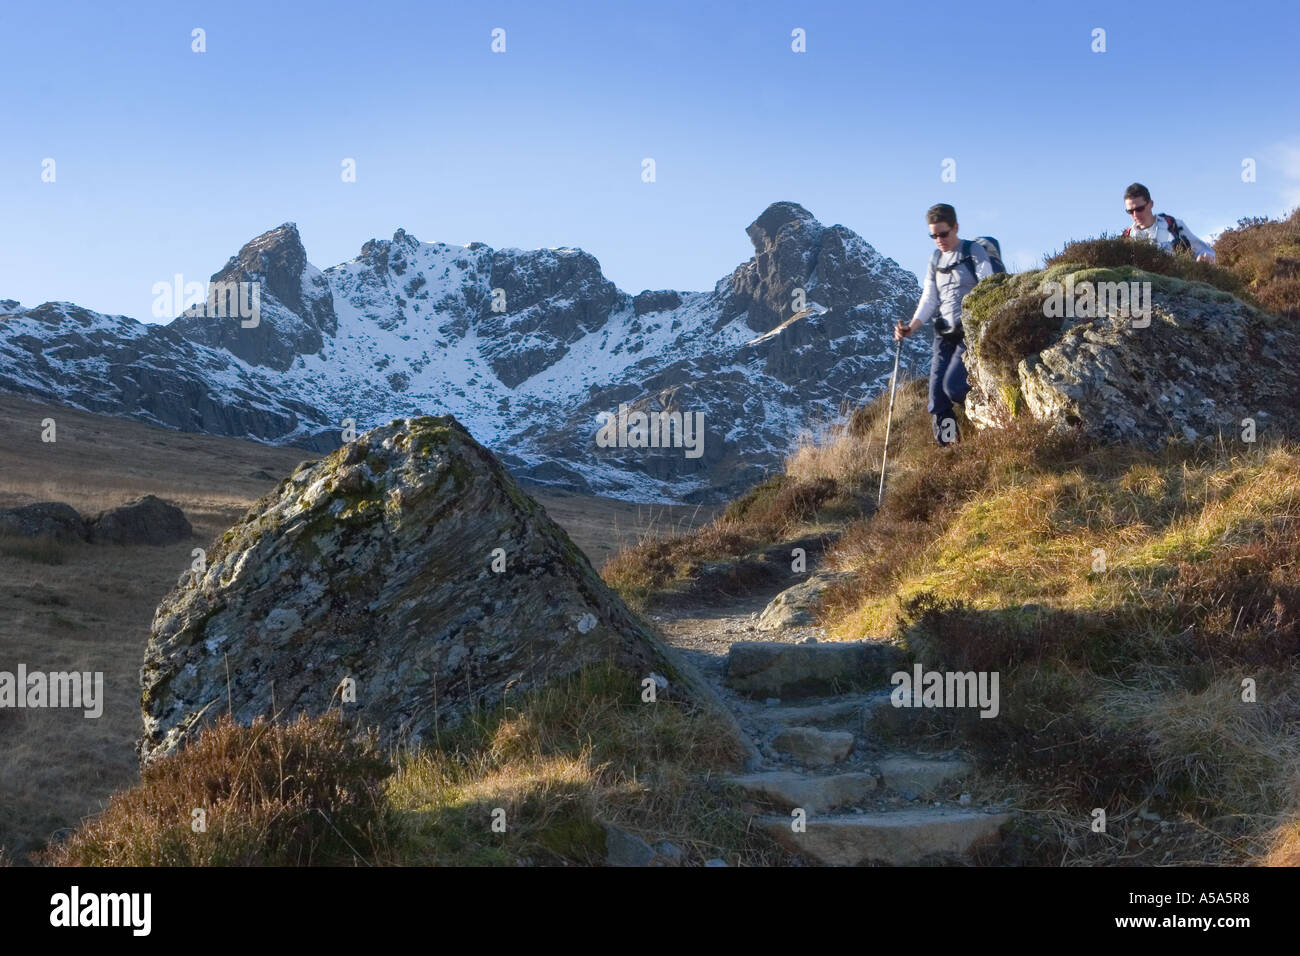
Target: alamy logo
{"type": "Point", "coordinates": [923, 688]}
{"type": "Point", "coordinates": [75, 908]}
{"type": "Point", "coordinates": [220, 300]}
{"type": "Point", "coordinates": [652, 430]}
{"type": "Point", "coordinates": [38, 689]}
{"type": "Point", "coordinates": [1089, 300]}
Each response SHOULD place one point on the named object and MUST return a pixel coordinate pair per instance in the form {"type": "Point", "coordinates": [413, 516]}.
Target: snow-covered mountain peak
{"type": "Point", "coordinates": [530, 349]}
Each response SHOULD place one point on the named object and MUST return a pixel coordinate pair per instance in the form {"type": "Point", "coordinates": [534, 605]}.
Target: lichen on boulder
{"type": "Point", "coordinates": [1197, 365]}
{"type": "Point", "coordinates": [407, 570]}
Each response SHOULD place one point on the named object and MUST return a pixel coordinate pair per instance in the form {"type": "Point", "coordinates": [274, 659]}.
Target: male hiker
{"type": "Point", "coordinates": [1168, 233]}
{"type": "Point", "coordinates": [954, 269]}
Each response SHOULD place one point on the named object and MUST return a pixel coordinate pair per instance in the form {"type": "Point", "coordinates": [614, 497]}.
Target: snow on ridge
{"type": "Point", "coordinates": [410, 339]}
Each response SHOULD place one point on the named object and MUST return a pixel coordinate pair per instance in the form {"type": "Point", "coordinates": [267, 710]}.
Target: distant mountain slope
{"type": "Point", "coordinates": [528, 349]}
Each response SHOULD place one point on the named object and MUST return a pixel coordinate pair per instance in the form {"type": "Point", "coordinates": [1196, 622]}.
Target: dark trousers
{"type": "Point", "coordinates": [948, 384]}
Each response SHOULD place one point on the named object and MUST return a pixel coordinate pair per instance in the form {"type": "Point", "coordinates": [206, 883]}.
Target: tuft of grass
{"type": "Point", "coordinates": [657, 562]}
{"type": "Point", "coordinates": [271, 794]}
{"type": "Point", "coordinates": [1285, 848]}
{"type": "Point", "coordinates": [559, 766]}
{"type": "Point", "coordinates": [1212, 753]}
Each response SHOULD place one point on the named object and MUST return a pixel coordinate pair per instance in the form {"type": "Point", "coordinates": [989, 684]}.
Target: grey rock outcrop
{"type": "Point", "coordinates": [786, 240]}
{"type": "Point", "coordinates": [297, 306]}
{"type": "Point", "coordinates": [648, 301]}
{"type": "Point", "coordinates": [371, 572]}
{"type": "Point", "coordinates": [147, 520]}
{"type": "Point", "coordinates": [1204, 364]}
{"type": "Point", "coordinates": [553, 297]}
{"type": "Point", "coordinates": [626, 849]}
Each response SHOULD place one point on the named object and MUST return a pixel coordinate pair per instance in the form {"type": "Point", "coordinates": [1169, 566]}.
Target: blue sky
{"type": "Point", "coordinates": [167, 160]}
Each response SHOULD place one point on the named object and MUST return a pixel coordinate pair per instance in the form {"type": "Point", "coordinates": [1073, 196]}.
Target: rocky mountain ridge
{"type": "Point", "coordinates": [531, 349]}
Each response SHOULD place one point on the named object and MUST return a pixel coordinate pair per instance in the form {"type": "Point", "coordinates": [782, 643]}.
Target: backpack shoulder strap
{"type": "Point", "coordinates": [1180, 241]}
{"type": "Point", "coordinates": [967, 258]}
{"type": "Point", "coordinates": [934, 260]}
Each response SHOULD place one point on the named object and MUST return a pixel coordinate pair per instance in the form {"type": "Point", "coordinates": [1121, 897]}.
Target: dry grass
{"type": "Point", "coordinates": [40, 550]}
{"type": "Point", "coordinates": [1110, 253]}
{"type": "Point", "coordinates": [657, 562]}
{"type": "Point", "coordinates": [298, 794]}
{"type": "Point", "coordinates": [1285, 848]}
{"type": "Point", "coordinates": [1265, 253]}
{"type": "Point", "coordinates": [568, 759]}
{"type": "Point", "coordinates": [533, 782]}
{"type": "Point", "coordinates": [91, 612]}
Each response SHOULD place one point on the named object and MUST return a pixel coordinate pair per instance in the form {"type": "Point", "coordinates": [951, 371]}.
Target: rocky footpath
{"type": "Point", "coordinates": [823, 778]}
{"type": "Point", "coordinates": [405, 578]}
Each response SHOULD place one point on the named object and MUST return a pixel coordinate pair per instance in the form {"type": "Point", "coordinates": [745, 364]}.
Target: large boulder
{"type": "Point", "coordinates": [45, 519]}
{"type": "Point", "coordinates": [1198, 365]}
{"type": "Point", "coordinates": [407, 570]}
{"type": "Point", "coordinates": [147, 520]}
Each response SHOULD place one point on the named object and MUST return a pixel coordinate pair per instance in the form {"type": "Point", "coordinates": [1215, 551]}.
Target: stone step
{"type": "Point", "coordinates": [815, 793]}
{"type": "Point", "coordinates": [773, 669]}
{"type": "Point", "coordinates": [849, 710]}
{"type": "Point", "coordinates": [919, 775]}
{"type": "Point", "coordinates": [896, 837]}
{"type": "Point", "coordinates": [813, 747]}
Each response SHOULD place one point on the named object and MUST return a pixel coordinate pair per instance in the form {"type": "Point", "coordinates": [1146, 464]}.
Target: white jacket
{"type": "Point", "coordinates": [944, 291]}
{"type": "Point", "coordinates": [1158, 232]}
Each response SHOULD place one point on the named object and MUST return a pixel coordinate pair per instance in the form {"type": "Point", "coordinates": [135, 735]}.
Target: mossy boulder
{"type": "Point", "coordinates": [405, 578]}
{"type": "Point", "coordinates": [1186, 361]}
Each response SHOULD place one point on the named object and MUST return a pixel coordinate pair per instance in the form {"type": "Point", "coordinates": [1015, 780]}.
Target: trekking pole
{"type": "Point", "coordinates": [893, 381]}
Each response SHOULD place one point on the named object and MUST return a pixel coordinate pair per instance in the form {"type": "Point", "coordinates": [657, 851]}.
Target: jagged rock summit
{"type": "Point", "coordinates": [405, 578]}
{"type": "Point", "coordinates": [296, 304]}
{"type": "Point", "coordinates": [1200, 364]}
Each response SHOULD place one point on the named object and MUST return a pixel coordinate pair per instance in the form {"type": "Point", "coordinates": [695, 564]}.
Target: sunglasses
{"type": "Point", "coordinates": [940, 235]}
{"type": "Point", "coordinates": [1137, 209]}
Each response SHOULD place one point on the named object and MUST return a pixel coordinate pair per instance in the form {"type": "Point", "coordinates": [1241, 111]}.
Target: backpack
{"type": "Point", "coordinates": [990, 246]}
{"type": "Point", "coordinates": [1180, 241]}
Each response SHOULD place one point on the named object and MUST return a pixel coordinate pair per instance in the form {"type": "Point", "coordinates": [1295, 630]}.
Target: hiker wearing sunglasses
{"type": "Point", "coordinates": [954, 270]}
{"type": "Point", "coordinates": [1165, 231]}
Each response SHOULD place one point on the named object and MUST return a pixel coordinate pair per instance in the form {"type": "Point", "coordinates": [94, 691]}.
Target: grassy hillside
{"type": "Point", "coordinates": [1129, 600]}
